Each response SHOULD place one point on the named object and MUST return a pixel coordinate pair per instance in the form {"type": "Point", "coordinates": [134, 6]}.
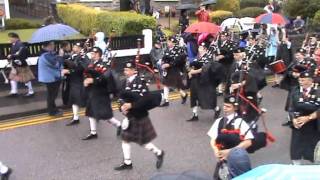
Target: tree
{"type": "Point", "coordinates": [304, 8]}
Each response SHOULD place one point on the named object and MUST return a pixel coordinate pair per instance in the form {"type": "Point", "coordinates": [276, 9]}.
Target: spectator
{"type": "Point", "coordinates": [184, 20]}
{"type": "Point", "coordinates": [269, 8]}
{"type": "Point", "coordinates": [49, 69]}
{"type": "Point", "coordinates": [203, 14]}
{"type": "Point", "coordinates": [156, 55]}
{"type": "Point", "coordinates": [298, 25]}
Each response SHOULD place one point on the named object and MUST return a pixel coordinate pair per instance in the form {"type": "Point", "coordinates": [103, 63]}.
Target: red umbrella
{"type": "Point", "coordinates": [272, 18]}
{"type": "Point", "coordinates": [203, 27]}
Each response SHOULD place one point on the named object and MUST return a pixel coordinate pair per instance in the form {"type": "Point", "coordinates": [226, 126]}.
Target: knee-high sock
{"type": "Point", "coordinates": [126, 148]}
{"type": "Point", "coordinates": [195, 111]}
{"type": "Point", "coordinates": [93, 125]}
{"type": "Point", "coordinates": [3, 168]}
{"type": "Point", "coordinates": [115, 122]}
{"type": "Point", "coordinates": [182, 93]}
{"type": "Point", "coordinates": [220, 87]}
{"type": "Point", "coordinates": [30, 89]}
{"type": "Point", "coordinates": [75, 110]}
{"type": "Point", "coordinates": [166, 93]}
{"type": "Point", "coordinates": [14, 87]}
{"type": "Point", "coordinates": [153, 148]}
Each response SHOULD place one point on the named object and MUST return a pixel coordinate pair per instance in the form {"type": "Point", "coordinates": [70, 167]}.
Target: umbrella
{"type": "Point", "coordinates": [282, 172]}
{"type": "Point", "coordinates": [272, 18]}
{"type": "Point", "coordinates": [186, 6]}
{"type": "Point", "coordinates": [247, 23]}
{"type": "Point", "coordinates": [52, 32]}
{"type": "Point", "coordinates": [203, 27]}
{"type": "Point", "coordinates": [208, 2]}
{"type": "Point", "coordinates": [187, 175]}
{"type": "Point", "coordinates": [231, 23]}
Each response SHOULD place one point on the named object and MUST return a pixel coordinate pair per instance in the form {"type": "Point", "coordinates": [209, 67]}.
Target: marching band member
{"type": "Point", "coordinates": [137, 126]}
{"type": "Point", "coordinates": [173, 62]}
{"type": "Point", "coordinates": [73, 70]}
{"type": "Point", "coordinates": [227, 133]}
{"type": "Point", "coordinates": [305, 135]}
{"type": "Point", "coordinates": [97, 83]}
{"type": "Point", "coordinates": [20, 71]}
{"type": "Point", "coordinates": [205, 75]}
{"type": "Point", "coordinates": [5, 171]}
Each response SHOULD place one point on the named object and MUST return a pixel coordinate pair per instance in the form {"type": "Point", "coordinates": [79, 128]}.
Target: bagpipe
{"type": "Point", "coordinates": [145, 67]}
{"type": "Point", "coordinates": [107, 56]}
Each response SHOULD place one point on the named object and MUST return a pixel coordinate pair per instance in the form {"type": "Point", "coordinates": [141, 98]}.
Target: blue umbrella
{"type": "Point", "coordinates": [282, 172]}
{"type": "Point", "coordinates": [52, 32]}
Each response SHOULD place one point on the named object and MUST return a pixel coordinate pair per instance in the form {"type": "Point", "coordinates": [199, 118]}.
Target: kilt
{"type": "Point", "coordinates": [140, 131]}
{"type": "Point", "coordinates": [21, 74]}
{"type": "Point", "coordinates": [77, 95]}
{"type": "Point", "coordinates": [173, 79]}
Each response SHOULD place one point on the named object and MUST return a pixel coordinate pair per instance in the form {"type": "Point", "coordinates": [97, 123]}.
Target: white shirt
{"type": "Point", "coordinates": [131, 78]}
{"type": "Point", "coordinates": [213, 132]}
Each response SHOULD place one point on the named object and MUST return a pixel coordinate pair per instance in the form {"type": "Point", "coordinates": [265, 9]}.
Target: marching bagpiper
{"type": "Point", "coordinates": [305, 135]}
{"type": "Point", "coordinates": [20, 71]}
{"type": "Point", "coordinates": [98, 82]}
{"type": "Point", "coordinates": [173, 63]}
{"type": "Point", "coordinates": [135, 102]}
{"type": "Point", "coordinates": [74, 72]}
{"type": "Point", "coordinates": [205, 75]}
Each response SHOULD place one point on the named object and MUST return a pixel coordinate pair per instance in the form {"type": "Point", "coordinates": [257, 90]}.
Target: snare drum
{"type": "Point", "coordinates": [278, 66]}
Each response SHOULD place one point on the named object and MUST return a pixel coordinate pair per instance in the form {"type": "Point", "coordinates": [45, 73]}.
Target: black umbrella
{"type": "Point", "coordinates": [208, 2]}
{"type": "Point", "coordinates": [186, 6]}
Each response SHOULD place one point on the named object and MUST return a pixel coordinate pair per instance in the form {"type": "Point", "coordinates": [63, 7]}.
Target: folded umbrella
{"type": "Point", "coordinates": [52, 32]}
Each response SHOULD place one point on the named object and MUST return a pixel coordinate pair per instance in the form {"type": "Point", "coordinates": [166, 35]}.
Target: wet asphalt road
{"type": "Point", "coordinates": [53, 151]}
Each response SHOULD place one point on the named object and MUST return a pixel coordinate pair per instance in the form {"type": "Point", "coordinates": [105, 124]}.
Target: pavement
{"type": "Point", "coordinates": [46, 149]}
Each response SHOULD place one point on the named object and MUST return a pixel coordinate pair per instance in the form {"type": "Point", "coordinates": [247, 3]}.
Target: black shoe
{"type": "Point", "coordinates": [288, 123]}
{"type": "Point", "coordinates": [90, 136]}
{"type": "Point", "coordinates": [28, 95]}
{"type": "Point", "coordinates": [6, 175]}
{"type": "Point", "coordinates": [184, 99]}
{"type": "Point", "coordinates": [164, 104]}
{"type": "Point", "coordinates": [119, 131]}
{"type": "Point", "coordinates": [194, 118]}
{"type": "Point", "coordinates": [123, 166]}
{"type": "Point", "coordinates": [12, 95]}
{"type": "Point", "coordinates": [56, 113]}
{"type": "Point", "coordinates": [73, 122]}
{"type": "Point", "coordinates": [217, 113]}
{"type": "Point", "coordinates": [160, 160]}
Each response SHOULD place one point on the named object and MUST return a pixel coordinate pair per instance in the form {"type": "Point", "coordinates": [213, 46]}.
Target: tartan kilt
{"type": "Point", "coordinates": [21, 74]}
{"type": "Point", "coordinates": [173, 79]}
{"type": "Point", "coordinates": [140, 131]}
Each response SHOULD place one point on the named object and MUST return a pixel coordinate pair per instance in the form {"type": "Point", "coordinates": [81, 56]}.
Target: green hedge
{"type": "Point", "coordinates": [316, 19]}
{"type": "Point", "coordinates": [304, 8]}
{"type": "Point", "coordinates": [250, 12]}
{"type": "Point", "coordinates": [227, 5]}
{"type": "Point", "coordinates": [124, 23]}
{"type": "Point", "coordinates": [219, 16]}
{"type": "Point", "coordinates": [253, 3]}
{"type": "Point", "coordinates": [19, 23]}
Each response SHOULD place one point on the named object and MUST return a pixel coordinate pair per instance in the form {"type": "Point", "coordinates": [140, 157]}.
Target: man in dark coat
{"type": "Point", "coordinates": [136, 100]}
{"type": "Point", "coordinates": [73, 70]}
{"type": "Point", "coordinates": [20, 71]}
{"type": "Point", "coordinates": [205, 75]}
{"type": "Point", "coordinates": [305, 135]}
{"type": "Point", "coordinates": [97, 82]}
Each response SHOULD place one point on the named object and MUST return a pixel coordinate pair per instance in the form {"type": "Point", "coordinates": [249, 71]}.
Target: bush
{"type": "Point", "coordinates": [168, 32]}
{"type": "Point", "coordinates": [250, 12]}
{"type": "Point", "coordinates": [253, 3]}
{"type": "Point", "coordinates": [124, 23]}
{"type": "Point", "coordinates": [19, 23]}
{"type": "Point", "coordinates": [219, 16]}
{"type": "Point", "coordinates": [227, 5]}
{"type": "Point", "coordinates": [304, 8]}
{"type": "Point", "coordinates": [316, 19]}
